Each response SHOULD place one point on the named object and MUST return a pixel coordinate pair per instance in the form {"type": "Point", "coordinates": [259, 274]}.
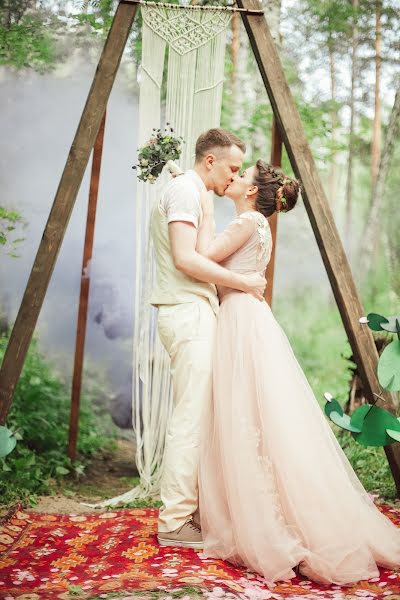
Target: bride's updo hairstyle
{"type": "Point", "coordinates": [276, 192]}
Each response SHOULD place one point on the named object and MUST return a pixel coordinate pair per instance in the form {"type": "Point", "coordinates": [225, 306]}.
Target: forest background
{"type": "Point", "coordinates": [342, 62]}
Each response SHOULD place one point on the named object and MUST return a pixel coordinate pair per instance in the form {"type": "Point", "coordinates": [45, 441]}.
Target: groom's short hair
{"type": "Point", "coordinates": [217, 138]}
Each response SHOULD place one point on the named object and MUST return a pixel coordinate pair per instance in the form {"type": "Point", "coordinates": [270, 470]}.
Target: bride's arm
{"type": "Point", "coordinates": [226, 243]}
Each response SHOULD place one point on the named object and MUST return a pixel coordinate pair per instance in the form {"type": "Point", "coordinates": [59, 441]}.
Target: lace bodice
{"type": "Point", "coordinates": [255, 253]}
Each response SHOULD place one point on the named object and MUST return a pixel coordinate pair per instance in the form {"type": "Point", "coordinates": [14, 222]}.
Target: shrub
{"type": "Point", "coordinates": [40, 416]}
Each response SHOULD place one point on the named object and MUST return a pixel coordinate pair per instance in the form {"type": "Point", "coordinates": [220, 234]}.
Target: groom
{"type": "Point", "coordinates": [187, 302]}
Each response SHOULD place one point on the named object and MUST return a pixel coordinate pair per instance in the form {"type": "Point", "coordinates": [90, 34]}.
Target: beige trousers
{"type": "Point", "coordinates": [187, 332]}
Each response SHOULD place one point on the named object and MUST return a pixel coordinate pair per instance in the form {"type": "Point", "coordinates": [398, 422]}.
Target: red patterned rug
{"type": "Point", "coordinates": [66, 556]}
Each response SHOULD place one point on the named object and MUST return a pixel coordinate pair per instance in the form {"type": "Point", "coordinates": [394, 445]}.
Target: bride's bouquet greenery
{"type": "Point", "coordinates": [154, 155]}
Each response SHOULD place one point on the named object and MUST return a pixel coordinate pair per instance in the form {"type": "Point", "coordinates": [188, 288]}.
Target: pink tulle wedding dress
{"type": "Point", "coordinates": [276, 490]}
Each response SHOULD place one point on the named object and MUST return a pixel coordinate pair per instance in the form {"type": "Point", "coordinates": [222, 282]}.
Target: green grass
{"type": "Point", "coordinates": [316, 333]}
{"type": "Point", "coordinates": [193, 592]}
{"type": "Point", "coordinates": [39, 415]}
{"type": "Point", "coordinates": [370, 464]}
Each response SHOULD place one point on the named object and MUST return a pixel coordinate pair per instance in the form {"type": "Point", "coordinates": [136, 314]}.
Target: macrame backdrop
{"type": "Point", "coordinates": [196, 49]}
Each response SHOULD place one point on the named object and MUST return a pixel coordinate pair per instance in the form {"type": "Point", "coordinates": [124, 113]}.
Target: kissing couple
{"type": "Point", "coordinates": [253, 473]}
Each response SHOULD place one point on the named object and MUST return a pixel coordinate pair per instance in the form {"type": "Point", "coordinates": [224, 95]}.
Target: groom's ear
{"type": "Point", "coordinates": [209, 160]}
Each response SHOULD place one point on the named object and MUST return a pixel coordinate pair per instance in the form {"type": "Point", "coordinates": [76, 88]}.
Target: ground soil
{"type": "Point", "coordinates": [107, 476]}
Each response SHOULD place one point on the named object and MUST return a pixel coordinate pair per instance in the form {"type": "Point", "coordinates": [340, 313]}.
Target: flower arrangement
{"type": "Point", "coordinates": [161, 148]}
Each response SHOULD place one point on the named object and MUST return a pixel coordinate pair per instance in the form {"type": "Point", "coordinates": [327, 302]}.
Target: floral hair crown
{"type": "Point", "coordinates": [282, 180]}
{"type": "Point", "coordinates": [160, 149]}
{"type": "Point", "coordinates": [282, 198]}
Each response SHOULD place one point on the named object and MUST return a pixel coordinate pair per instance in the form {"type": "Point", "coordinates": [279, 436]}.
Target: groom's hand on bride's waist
{"type": "Point", "coordinates": [254, 284]}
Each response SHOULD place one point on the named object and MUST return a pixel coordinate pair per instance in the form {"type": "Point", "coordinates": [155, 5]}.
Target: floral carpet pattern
{"type": "Point", "coordinates": [66, 556]}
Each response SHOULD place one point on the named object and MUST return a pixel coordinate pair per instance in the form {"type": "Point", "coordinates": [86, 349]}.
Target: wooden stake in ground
{"type": "Point", "coordinates": [276, 161]}
{"type": "Point", "coordinates": [64, 201]}
{"type": "Point", "coordinates": [84, 293]}
{"type": "Point", "coordinates": [321, 218]}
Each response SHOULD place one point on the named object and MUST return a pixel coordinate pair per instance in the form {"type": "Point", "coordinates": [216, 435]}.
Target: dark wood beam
{"type": "Point", "coordinates": [84, 293]}
{"type": "Point", "coordinates": [276, 161]}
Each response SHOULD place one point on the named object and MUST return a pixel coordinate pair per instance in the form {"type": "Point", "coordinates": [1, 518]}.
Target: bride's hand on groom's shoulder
{"type": "Point", "coordinates": [207, 203]}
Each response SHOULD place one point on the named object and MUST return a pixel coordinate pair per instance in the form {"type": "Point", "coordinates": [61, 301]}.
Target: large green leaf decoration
{"type": "Point", "coordinates": [369, 424]}
{"type": "Point", "coordinates": [389, 367]}
{"type": "Point", "coordinates": [375, 321]}
{"type": "Point", "coordinates": [392, 325]}
{"type": "Point", "coordinates": [7, 441]}
{"type": "Point", "coordinates": [374, 423]}
{"type": "Point", "coordinates": [358, 416]}
{"type": "Point", "coordinates": [334, 411]}
{"type": "Point", "coordinates": [344, 422]}
{"type": "Point", "coordinates": [333, 406]}
{"type": "Point", "coordinates": [394, 434]}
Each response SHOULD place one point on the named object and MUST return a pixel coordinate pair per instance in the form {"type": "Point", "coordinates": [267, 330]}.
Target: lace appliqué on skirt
{"type": "Point", "coordinates": [250, 438]}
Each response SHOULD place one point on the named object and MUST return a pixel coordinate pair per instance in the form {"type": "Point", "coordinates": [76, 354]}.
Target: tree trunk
{"type": "Point", "coordinates": [376, 133]}
{"type": "Point", "coordinates": [272, 10]}
{"type": "Point", "coordinates": [349, 183]}
{"type": "Point", "coordinates": [235, 49]}
{"type": "Point", "coordinates": [235, 26]}
{"type": "Point", "coordinates": [261, 137]}
{"type": "Point", "coordinates": [244, 81]}
{"type": "Point", "coordinates": [392, 253]}
{"type": "Point", "coordinates": [371, 232]}
{"type": "Point", "coordinates": [333, 170]}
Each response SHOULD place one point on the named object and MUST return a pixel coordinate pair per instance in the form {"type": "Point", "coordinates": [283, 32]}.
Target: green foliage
{"type": "Point", "coordinates": [192, 592]}
{"type": "Point", "coordinates": [390, 216]}
{"type": "Point", "coordinates": [7, 441]}
{"type": "Point", "coordinates": [256, 127]}
{"type": "Point", "coordinates": [39, 416]}
{"type": "Point", "coordinates": [332, 20]}
{"type": "Point", "coordinates": [101, 18]}
{"type": "Point", "coordinates": [316, 333]}
{"type": "Point", "coordinates": [377, 291]}
{"type": "Point", "coordinates": [99, 15]}
{"type": "Point", "coordinates": [9, 221]}
{"type": "Point", "coordinates": [27, 44]}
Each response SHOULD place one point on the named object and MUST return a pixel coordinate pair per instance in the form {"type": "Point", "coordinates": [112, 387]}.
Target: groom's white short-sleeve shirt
{"type": "Point", "coordinates": [180, 201]}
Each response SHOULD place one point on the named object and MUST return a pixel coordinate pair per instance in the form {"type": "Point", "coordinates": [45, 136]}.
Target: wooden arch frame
{"type": "Point", "coordinates": [291, 131]}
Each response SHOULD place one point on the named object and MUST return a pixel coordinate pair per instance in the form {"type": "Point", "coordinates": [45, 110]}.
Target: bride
{"type": "Point", "coordinates": [276, 491]}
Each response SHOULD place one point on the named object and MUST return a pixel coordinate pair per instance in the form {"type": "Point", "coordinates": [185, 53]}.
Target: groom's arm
{"type": "Point", "coordinates": [183, 238]}
{"type": "Point", "coordinates": [181, 203]}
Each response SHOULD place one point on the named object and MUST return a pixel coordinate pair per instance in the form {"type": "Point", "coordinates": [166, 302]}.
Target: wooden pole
{"type": "Point", "coordinates": [276, 161]}
{"type": "Point", "coordinates": [84, 293]}
{"type": "Point", "coordinates": [64, 201]}
{"type": "Point", "coordinates": [321, 218]}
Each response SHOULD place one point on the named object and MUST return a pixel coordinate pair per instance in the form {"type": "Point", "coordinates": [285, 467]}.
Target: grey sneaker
{"type": "Point", "coordinates": [186, 536]}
